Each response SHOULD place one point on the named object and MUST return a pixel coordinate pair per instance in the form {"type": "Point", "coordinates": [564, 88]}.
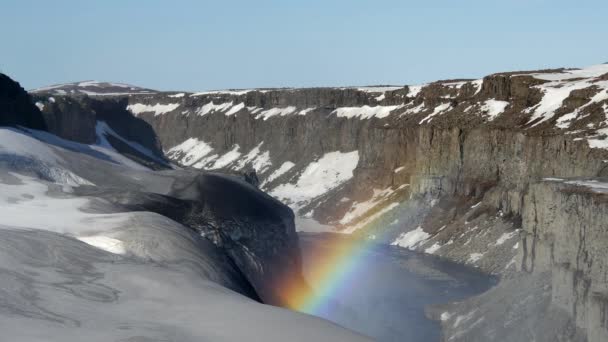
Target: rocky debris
{"type": "Point", "coordinates": [16, 106]}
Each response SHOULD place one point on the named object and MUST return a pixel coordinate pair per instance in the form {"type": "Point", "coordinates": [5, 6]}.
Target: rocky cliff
{"type": "Point", "coordinates": [451, 168]}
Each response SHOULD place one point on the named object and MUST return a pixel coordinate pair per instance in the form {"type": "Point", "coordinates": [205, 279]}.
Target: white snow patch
{"type": "Point", "coordinates": [177, 95]}
{"type": "Point", "coordinates": [157, 109]}
{"type": "Point", "coordinates": [352, 229]}
{"type": "Point", "coordinates": [212, 107]}
{"type": "Point", "coordinates": [438, 110]}
{"type": "Point", "coordinates": [235, 109]}
{"type": "Point", "coordinates": [227, 158]}
{"type": "Point", "coordinates": [414, 90]}
{"type": "Point", "coordinates": [259, 160]}
{"type": "Point", "coordinates": [319, 177]}
{"type": "Point", "coordinates": [411, 239]}
{"type": "Point", "coordinates": [359, 209]}
{"type": "Point", "coordinates": [434, 248]}
{"type": "Point", "coordinates": [286, 166]}
{"type": "Point", "coordinates": [474, 257]}
{"type": "Point", "coordinates": [505, 237]}
{"type": "Point", "coordinates": [493, 108]}
{"type": "Point", "coordinates": [306, 111]}
{"type": "Point", "coordinates": [40, 105]}
{"type": "Point", "coordinates": [268, 113]}
{"type": "Point", "coordinates": [190, 151]}
{"type": "Point", "coordinates": [365, 112]}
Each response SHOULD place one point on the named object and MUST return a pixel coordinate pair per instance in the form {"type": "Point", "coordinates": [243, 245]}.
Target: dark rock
{"type": "Point", "coordinates": [16, 106]}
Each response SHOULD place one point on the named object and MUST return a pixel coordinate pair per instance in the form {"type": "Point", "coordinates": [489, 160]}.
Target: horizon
{"type": "Point", "coordinates": [179, 46]}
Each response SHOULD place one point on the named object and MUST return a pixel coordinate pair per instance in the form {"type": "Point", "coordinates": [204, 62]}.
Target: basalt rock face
{"type": "Point", "coordinates": [565, 233]}
{"type": "Point", "coordinates": [16, 107]}
{"type": "Point", "coordinates": [453, 168]}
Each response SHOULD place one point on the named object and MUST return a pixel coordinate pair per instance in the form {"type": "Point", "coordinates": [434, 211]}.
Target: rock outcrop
{"type": "Point", "coordinates": [16, 106]}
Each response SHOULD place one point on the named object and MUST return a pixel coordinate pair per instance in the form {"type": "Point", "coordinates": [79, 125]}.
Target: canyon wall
{"type": "Point", "coordinates": [455, 168]}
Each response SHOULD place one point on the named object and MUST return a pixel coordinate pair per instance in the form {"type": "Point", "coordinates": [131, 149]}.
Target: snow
{"type": "Point", "coordinates": [414, 90]}
{"type": "Point", "coordinates": [411, 239]}
{"type": "Point", "coordinates": [359, 209]}
{"type": "Point", "coordinates": [379, 89]}
{"type": "Point", "coordinates": [190, 151]}
{"type": "Point", "coordinates": [365, 112]}
{"type": "Point", "coordinates": [212, 107]}
{"type": "Point", "coordinates": [493, 108]}
{"type": "Point", "coordinates": [306, 111]}
{"type": "Point", "coordinates": [235, 109]}
{"type": "Point", "coordinates": [445, 316]}
{"type": "Point", "coordinates": [102, 130]}
{"type": "Point", "coordinates": [268, 113]}
{"type": "Point", "coordinates": [40, 105]}
{"type": "Point", "coordinates": [588, 72]}
{"type": "Point", "coordinates": [259, 160]}
{"type": "Point", "coordinates": [162, 289]}
{"type": "Point", "coordinates": [178, 95]}
{"type": "Point", "coordinates": [105, 243]}
{"type": "Point", "coordinates": [380, 213]}
{"type": "Point", "coordinates": [594, 185]}
{"type": "Point", "coordinates": [157, 109]}
{"type": "Point", "coordinates": [236, 92]}
{"type": "Point", "coordinates": [477, 84]}
{"type": "Point", "coordinates": [438, 110]}
{"type": "Point", "coordinates": [380, 97]}
{"type": "Point", "coordinates": [505, 237]}
{"type": "Point", "coordinates": [414, 110]}
{"type": "Point", "coordinates": [227, 158]}
{"type": "Point", "coordinates": [434, 248]}
{"type": "Point", "coordinates": [474, 257]}
{"type": "Point", "coordinates": [554, 94]}
{"type": "Point", "coordinates": [329, 172]}
{"type": "Point", "coordinates": [399, 169]}
{"type": "Point", "coordinates": [286, 166]}
{"type": "Point", "coordinates": [600, 140]}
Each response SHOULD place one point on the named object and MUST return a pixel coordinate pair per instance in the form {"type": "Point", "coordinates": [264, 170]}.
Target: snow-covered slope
{"type": "Point", "coordinates": [78, 261]}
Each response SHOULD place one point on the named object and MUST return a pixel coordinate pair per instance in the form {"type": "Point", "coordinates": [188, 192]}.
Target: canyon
{"type": "Point", "coordinates": [505, 174]}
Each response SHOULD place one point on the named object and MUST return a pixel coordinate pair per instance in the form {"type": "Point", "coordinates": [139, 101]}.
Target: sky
{"type": "Point", "coordinates": [225, 44]}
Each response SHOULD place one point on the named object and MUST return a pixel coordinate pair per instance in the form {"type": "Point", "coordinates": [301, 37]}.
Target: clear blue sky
{"type": "Point", "coordinates": [201, 45]}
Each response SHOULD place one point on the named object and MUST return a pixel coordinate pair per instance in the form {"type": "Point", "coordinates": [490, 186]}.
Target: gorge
{"type": "Point", "coordinates": [505, 174]}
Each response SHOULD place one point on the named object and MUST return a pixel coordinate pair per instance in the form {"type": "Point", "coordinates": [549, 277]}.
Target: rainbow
{"type": "Point", "coordinates": [334, 271]}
